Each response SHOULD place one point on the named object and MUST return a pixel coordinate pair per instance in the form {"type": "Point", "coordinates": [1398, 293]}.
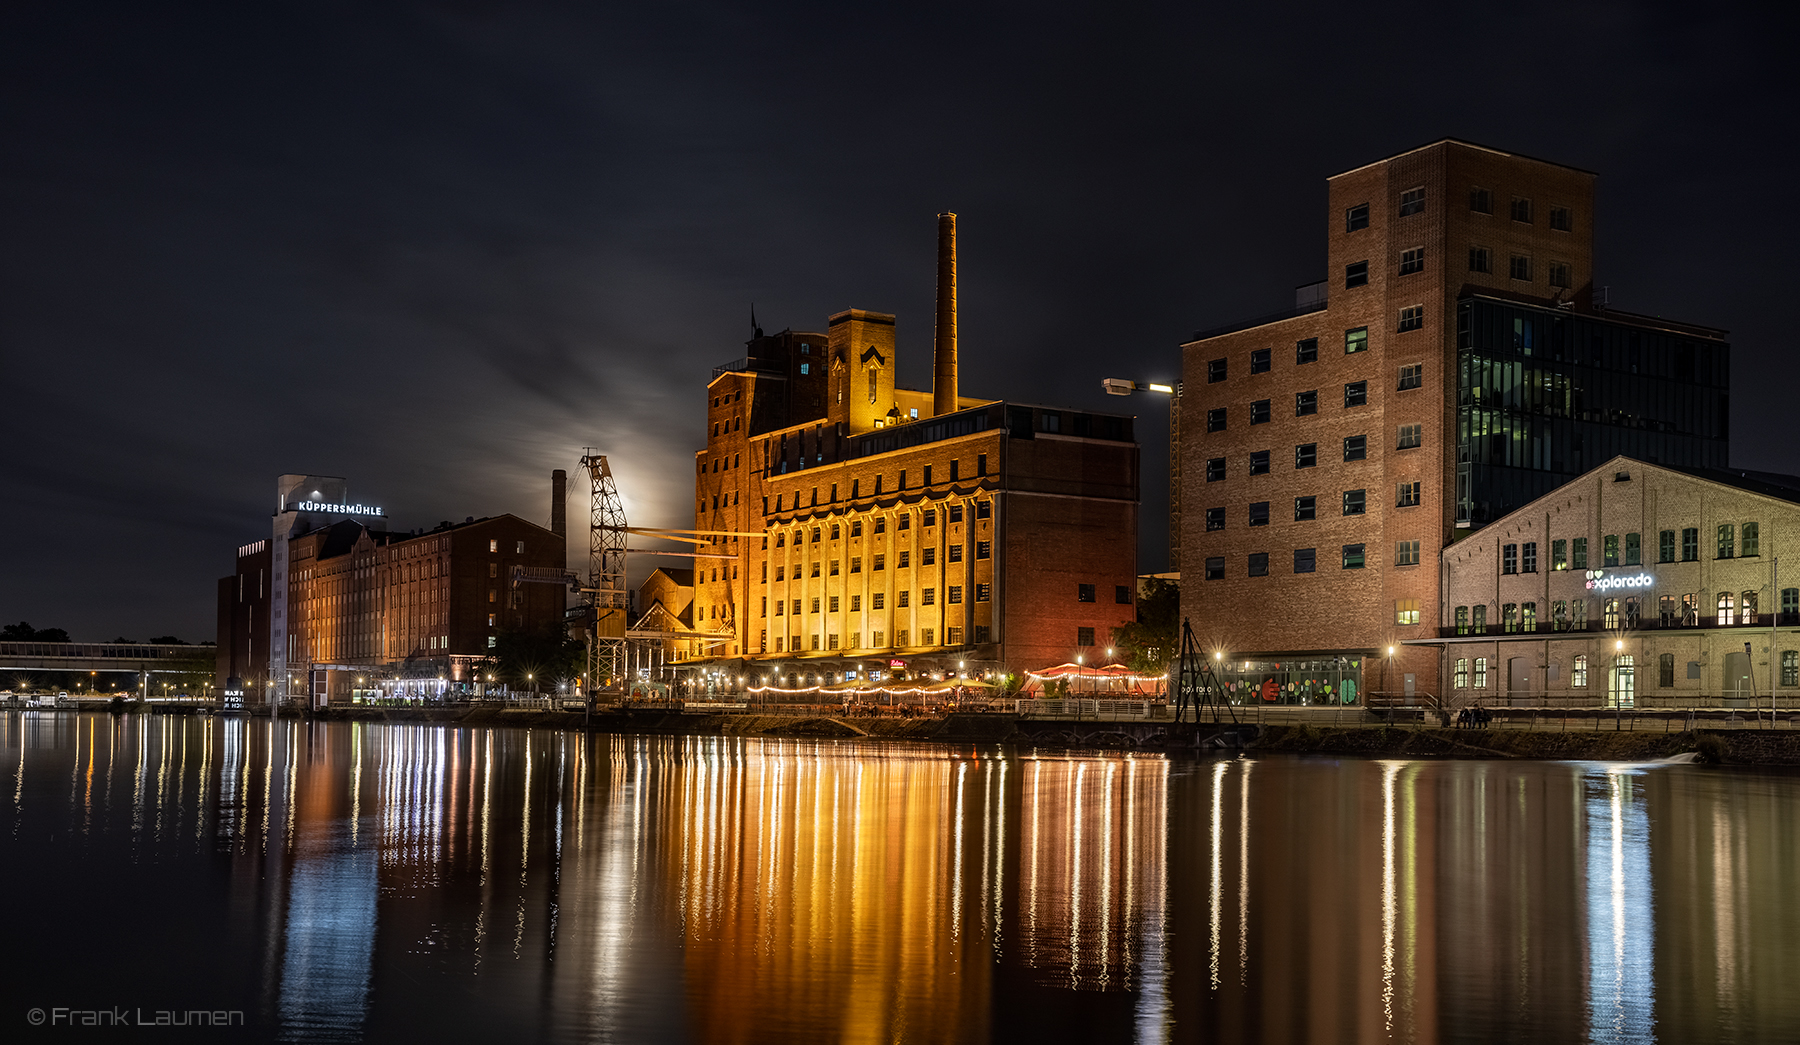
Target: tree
{"type": "Point", "coordinates": [166, 640]}
{"type": "Point", "coordinates": [24, 632]}
{"type": "Point", "coordinates": [1153, 641]}
{"type": "Point", "coordinates": [548, 655]}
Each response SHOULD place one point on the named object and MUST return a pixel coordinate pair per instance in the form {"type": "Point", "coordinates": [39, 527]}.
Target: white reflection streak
{"type": "Point", "coordinates": [1077, 819]}
{"type": "Point", "coordinates": [956, 888]}
{"type": "Point", "coordinates": [1031, 896]}
{"type": "Point", "coordinates": [1154, 1017]}
{"type": "Point", "coordinates": [1631, 1017]}
{"type": "Point", "coordinates": [999, 863]}
{"type": "Point", "coordinates": [1215, 896]}
{"type": "Point", "coordinates": [1244, 871]}
{"type": "Point", "coordinates": [356, 735]}
{"type": "Point", "coordinates": [1110, 796]}
{"type": "Point", "coordinates": [1389, 772]}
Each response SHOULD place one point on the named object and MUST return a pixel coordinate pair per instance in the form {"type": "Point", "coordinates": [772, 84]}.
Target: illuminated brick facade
{"type": "Point", "coordinates": [1002, 535]}
{"type": "Point", "coordinates": [1453, 365]}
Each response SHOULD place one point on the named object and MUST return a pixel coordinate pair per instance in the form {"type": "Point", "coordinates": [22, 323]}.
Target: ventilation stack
{"type": "Point", "coordinates": [559, 504]}
{"type": "Point", "coordinates": [943, 359]}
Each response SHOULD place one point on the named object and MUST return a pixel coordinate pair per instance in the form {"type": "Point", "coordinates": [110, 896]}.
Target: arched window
{"type": "Point", "coordinates": [1747, 608]}
{"type": "Point", "coordinates": [1727, 609]}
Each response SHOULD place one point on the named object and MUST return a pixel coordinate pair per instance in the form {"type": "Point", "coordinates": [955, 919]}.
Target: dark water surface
{"type": "Point", "coordinates": [340, 882]}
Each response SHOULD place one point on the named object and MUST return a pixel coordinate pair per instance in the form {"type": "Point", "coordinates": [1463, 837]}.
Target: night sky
{"type": "Point", "coordinates": [438, 249]}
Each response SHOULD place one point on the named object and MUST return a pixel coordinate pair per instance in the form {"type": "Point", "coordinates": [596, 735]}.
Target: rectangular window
{"type": "Point", "coordinates": [1215, 419]}
{"type": "Point", "coordinates": [1259, 412]}
{"type": "Point", "coordinates": [983, 509]}
{"type": "Point", "coordinates": [1560, 275]}
{"type": "Point", "coordinates": [1356, 218]}
{"type": "Point", "coordinates": [1665, 670]}
{"type": "Point", "coordinates": [1751, 542]}
{"type": "Point", "coordinates": [878, 601]}
{"type": "Point", "coordinates": [1609, 550]}
{"type": "Point", "coordinates": [1306, 455]}
{"type": "Point", "coordinates": [1259, 513]}
{"type": "Point", "coordinates": [981, 469]}
{"type": "Point", "coordinates": [1521, 209]}
{"type": "Point", "coordinates": [1509, 558]}
{"type": "Point", "coordinates": [1481, 201]}
{"type": "Point", "coordinates": [1690, 544]}
{"type": "Point", "coordinates": [1578, 672]}
{"type": "Point", "coordinates": [954, 594]}
{"type": "Point", "coordinates": [1356, 274]}
{"type": "Point", "coordinates": [1356, 393]}
{"type": "Point", "coordinates": [1406, 553]}
{"type": "Point", "coordinates": [1462, 620]}
{"type": "Point", "coordinates": [1305, 508]}
{"type": "Point", "coordinates": [493, 546]}
{"type": "Point", "coordinates": [1461, 676]}
{"type": "Point", "coordinates": [1215, 371]}
{"type": "Point", "coordinates": [1609, 613]}
{"type": "Point", "coordinates": [855, 564]}
{"type": "Point", "coordinates": [1215, 568]}
{"type": "Point", "coordinates": [1578, 614]}
{"type": "Point", "coordinates": [1305, 560]}
{"type": "Point", "coordinates": [1084, 636]}
{"type": "Point", "coordinates": [1259, 360]}
{"type": "Point", "coordinates": [1412, 376]}
{"type": "Point", "coordinates": [905, 559]}
{"type": "Point", "coordinates": [1727, 540]}
{"type": "Point", "coordinates": [955, 510]}
{"type": "Point", "coordinates": [1412, 260]}
{"type": "Point", "coordinates": [832, 604]}
{"type": "Point", "coordinates": [1480, 260]}
{"type": "Point", "coordinates": [1528, 616]}
{"type": "Point", "coordinates": [1215, 519]}
{"type": "Point", "coordinates": [1665, 546]}
{"type": "Point", "coordinates": [1406, 495]}
{"type": "Point", "coordinates": [1559, 555]}
{"type": "Point", "coordinates": [983, 592]}
{"type": "Point", "coordinates": [855, 603]}
{"type": "Point", "coordinates": [1410, 437]}
{"type": "Point", "coordinates": [880, 562]}
{"type": "Point", "coordinates": [1412, 201]}
{"type": "Point", "coordinates": [1259, 564]}
{"type": "Point", "coordinates": [1356, 340]}
{"type": "Point", "coordinates": [1790, 667]}
{"type": "Point", "coordinates": [815, 604]}
{"type": "Point", "coordinates": [1084, 593]}
{"type": "Point", "coordinates": [1481, 666]}
{"type": "Point", "coordinates": [1561, 220]}
{"type": "Point", "coordinates": [1122, 594]}
{"type": "Point", "coordinates": [1353, 556]}
{"type": "Point", "coordinates": [900, 637]}
{"type": "Point", "coordinates": [1528, 561]}
{"type": "Point", "coordinates": [834, 567]}
{"type": "Point", "coordinates": [984, 549]}
{"type": "Point", "coordinates": [1306, 350]}
{"type": "Point", "coordinates": [1634, 549]}
{"type": "Point", "coordinates": [1406, 611]}
{"type": "Point", "coordinates": [929, 516]}
{"type": "Point", "coordinates": [1354, 501]}
{"type": "Point", "coordinates": [954, 553]}
{"type": "Point", "coordinates": [1306, 403]}
{"type": "Point", "coordinates": [1215, 469]}
{"type": "Point", "coordinates": [1412, 317]}
{"type": "Point", "coordinates": [903, 599]}
{"type": "Point", "coordinates": [1356, 447]}
{"type": "Point", "coordinates": [1478, 619]}
{"type": "Point", "coordinates": [1559, 615]}
{"type": "Point", "coordinates": [1259, 462]}
{"type": "Point", "coordinates": [1578, 553]}
{"type": "Point", "coordinates": [1521, 267]}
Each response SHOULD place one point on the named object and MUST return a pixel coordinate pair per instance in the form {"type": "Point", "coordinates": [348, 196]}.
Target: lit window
{"type": "Point", "coordinates": [493, 546]}
{"type": "Point", "coordinates": [1462, 628]}
{"type": "Point", "coordinates": [1406, 611]}
{"type": "Point", "coordinates": [1462, 673]}
{"type": "Point", "coordinates": [1579, 671]}
{"type": "Point", "coordinates": [1481, 666]}
{"type": "Point", "coordinates": [1356, 340]}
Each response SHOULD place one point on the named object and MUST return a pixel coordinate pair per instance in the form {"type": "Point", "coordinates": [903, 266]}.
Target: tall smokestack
{"type": "Point", "coordinates": [559, 504]}
{"type": "Point", "coordinates": [943, 360]}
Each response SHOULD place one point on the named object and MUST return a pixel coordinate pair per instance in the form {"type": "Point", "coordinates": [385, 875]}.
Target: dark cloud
{"type": "Point", "coordinates": [440, 248]}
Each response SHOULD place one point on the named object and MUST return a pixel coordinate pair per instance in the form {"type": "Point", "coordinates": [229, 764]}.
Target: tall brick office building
{"type": "Point", "coordinates": [1455, 365]}
{"type": "Point", "coordinates": [889, 525]}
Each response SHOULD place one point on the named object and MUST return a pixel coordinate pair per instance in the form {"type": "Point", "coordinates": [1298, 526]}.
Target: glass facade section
{"type": "Point", "coordinates": [1325, 681]}
{"type": "Point", "coordinates": [1545, 395]}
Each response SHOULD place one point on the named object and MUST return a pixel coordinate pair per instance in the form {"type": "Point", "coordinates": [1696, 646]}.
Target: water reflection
{"type": "Point", "coordinates": [377, 881]}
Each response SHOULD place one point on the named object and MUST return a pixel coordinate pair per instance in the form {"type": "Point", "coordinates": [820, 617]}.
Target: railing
{"type": "Point", "coordinates": [1594, 627]}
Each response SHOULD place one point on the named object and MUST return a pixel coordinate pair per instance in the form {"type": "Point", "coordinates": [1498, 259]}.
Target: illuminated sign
{"type": "Point", "coordinates": [340, 509]}
{"type": "Point", "coordinates": [1597, 580]}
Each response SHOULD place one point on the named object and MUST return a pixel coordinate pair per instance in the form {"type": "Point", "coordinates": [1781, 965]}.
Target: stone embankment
{"type": "Point", "coordinates": [1726, 746]}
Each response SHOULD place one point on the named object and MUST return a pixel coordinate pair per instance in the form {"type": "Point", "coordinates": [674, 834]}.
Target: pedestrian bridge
{"type": "Point", "coordinates": [100, 656]}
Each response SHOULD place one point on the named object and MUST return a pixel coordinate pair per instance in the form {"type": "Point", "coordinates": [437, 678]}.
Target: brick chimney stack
{"type": "Point", "coordinates": [943, 373]}
{"type": "Point", "coordinates": [559, 504]}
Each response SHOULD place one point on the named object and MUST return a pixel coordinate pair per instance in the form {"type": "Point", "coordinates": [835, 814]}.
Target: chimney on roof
{"type": "Point", "coordinates": [943, 372]}
{"type": "Point", "coordinates": [559, 503]}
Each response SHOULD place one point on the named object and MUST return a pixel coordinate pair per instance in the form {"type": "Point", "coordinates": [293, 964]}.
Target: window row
{"type": "Point", "coordinates": [1732, 540]}
{"type": "Point", "coordinates": [782, 503]}
{"type": "Point", "coordinates": [877, 562]}
{"type": "Point", "coordinates": [1672, 611]}
{"type": "Point", "coordinates": [1578, 670]}
{"type": "Point", "coordinates": [980, 633]}
{"type": "Point", "coordinates": [1481, 201]}
{"type": "Point", "coordinates": [1306, 509]}
{"type": "Point", "coordinates": [1352, 557]}
{"type": "Point", "coordinates": [903, 521]}
{"type": "Point", "coordinates": [1306, 455]}
{"type": "Point", "coordinates": [953, 595]}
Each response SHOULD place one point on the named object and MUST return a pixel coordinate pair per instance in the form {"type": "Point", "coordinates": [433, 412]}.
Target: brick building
{"type": "Point", "coordinates": [1456, 364]}
{"type": "Point", "coordinates": [358, 602]}
{"type": "Point", "coordinates": [1633, 585]}
{"type": "Point", "coordinates": [877, 524]}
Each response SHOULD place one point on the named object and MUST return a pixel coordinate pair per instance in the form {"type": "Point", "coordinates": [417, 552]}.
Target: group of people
{"type": "Point", "coordinates": [1474, 718]}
